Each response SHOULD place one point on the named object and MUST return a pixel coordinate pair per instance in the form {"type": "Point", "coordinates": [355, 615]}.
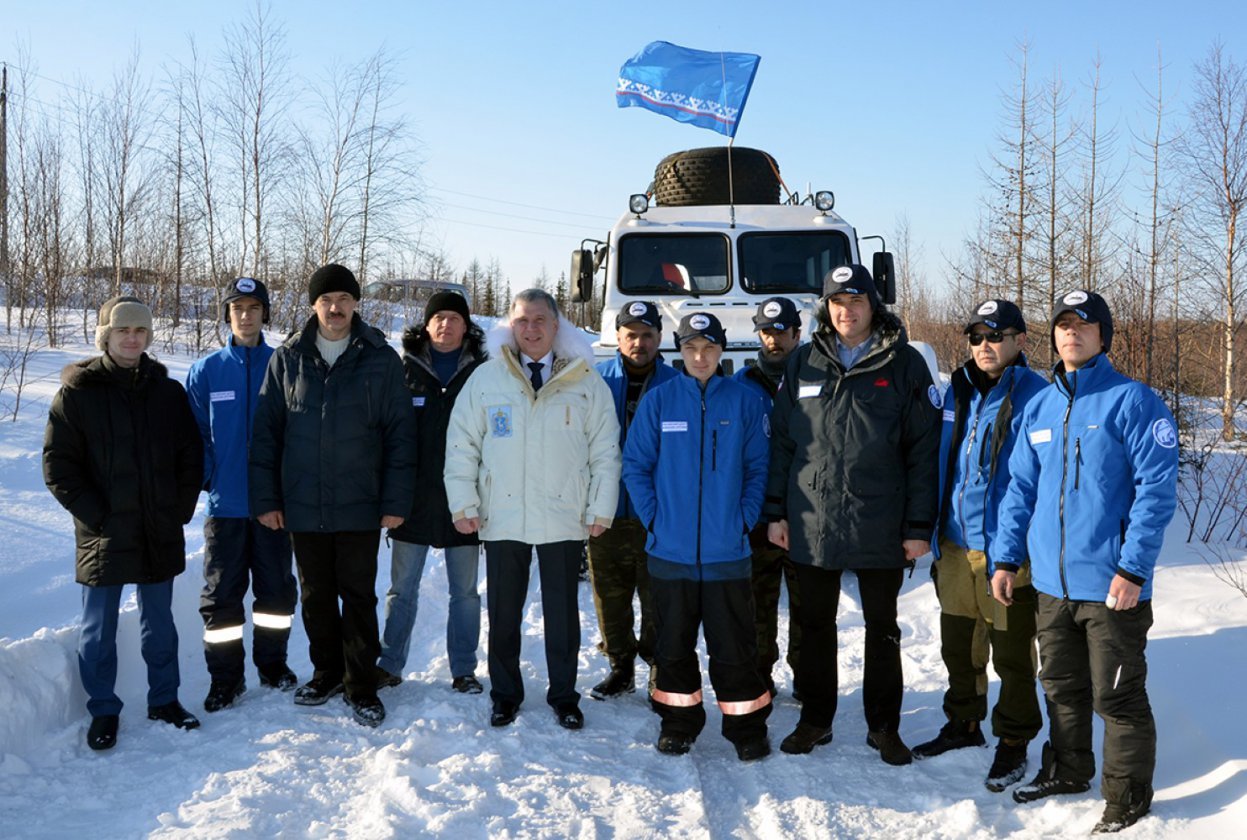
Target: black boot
{"type": "Point", "coordinates": [805, 738]}
{"type": "Point", "coordinates": [621, 680]}
{"type": "Point", "coordinates": [173, 713]}
{"type": "Point", "coordinates": [1008, 766]}
{"type": "Point", "coordinates": [891, 748]}
{"type": "Point", "coordinates": [222, 693]}
{"type": "Point", "coordinates": [1047, 783]}
{"type": "Point", "coordinates": [102, 734]}
{"type": "Point", "coordinates": [956, 735]}
{"type": "Point", "coordinates": [1119, 815]}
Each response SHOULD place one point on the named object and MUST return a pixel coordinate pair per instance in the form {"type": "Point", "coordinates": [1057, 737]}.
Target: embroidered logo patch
{"type": "Point", "coordinates": [699, 322]}
{"type": "Point", "coordinates": [933, 394]}
{"type": "Point", "coordinates": [500, 421]}
{"type": "Point", "coordinates": [772, 309]}
{"type": "Point", "coordinates": [637, 309]}
{"type": "Point", "coordinates": [842, 274]}
{"type": "Point", "coordinates": [245, 285]}
{"type": "Point", "coordinates": [1165, 433]}
{"type": "Point", "coordinates": [1075, 298]}
{"type": "Point", "coordinates": [674, 426]}
{"type": "Point", "coordinates": [988, 308]}
{"type": "Point", "coordinates": [221, 396]}
{"type": "Point", "coordinates": [417, 402]}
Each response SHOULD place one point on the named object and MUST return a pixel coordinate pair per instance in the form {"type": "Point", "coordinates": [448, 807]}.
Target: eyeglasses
{"type": "Point", "coordinates": [993, 337]}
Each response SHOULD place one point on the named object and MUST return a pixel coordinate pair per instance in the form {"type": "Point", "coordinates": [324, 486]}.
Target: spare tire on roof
{"type": "Point", "coordinates": [699, 176]}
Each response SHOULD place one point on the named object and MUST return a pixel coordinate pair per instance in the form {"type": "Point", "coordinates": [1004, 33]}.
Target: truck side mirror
{"type": "Point", "coordinates": [582, 275]}
{"type": "Point", "coordinates": [884, 271]}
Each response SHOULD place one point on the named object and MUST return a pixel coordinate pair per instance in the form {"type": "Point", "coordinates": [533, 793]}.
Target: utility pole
{"type": "Point", "coordinates": [4, 196]}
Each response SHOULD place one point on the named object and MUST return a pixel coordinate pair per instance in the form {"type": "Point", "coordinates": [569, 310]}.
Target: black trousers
{"type": "Point", "coordinates": [1091, 658]}
{"type": "Point", "coordinates": [343, 644]}
{"type": "Point", "coordinates": [507, 565]}
{"type": "Point", "coordinates": [724, 608]}
{"type": "Point", "coordinates": [238, 553]}
{"type": "Point", "coordinates": [883, 684]}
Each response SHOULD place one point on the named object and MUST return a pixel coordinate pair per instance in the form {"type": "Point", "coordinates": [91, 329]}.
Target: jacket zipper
{"type": "Point", "coordinates": [961, 495]}
{"type": "Point", "coordinates": [714, 450]}
{"type": "Point", "coordinates": [1064, 476]}
{"type": "Point", "coordinates": [1077, 461]}
{"type": "Point", "coordinates": [701, 457]}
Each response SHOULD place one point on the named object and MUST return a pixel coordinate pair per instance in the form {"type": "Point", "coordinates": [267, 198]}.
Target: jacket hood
{"type": "Point", "coordinates": [569, 342]}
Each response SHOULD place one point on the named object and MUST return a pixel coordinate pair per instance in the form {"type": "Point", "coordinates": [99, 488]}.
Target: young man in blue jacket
{"type": "Point", "coordinates": [617, 560]}
{"type": "Point", "coordinates": [983, 408]}
{"type": "Point", "coordinates": [1094, 479]}
{"type": "Point", "coordinates": [695, 467]}
{"type": "Point", "coordinates": [224, 390]}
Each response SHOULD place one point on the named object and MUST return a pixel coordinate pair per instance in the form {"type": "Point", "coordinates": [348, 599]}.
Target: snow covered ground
{"type": "Point", "coordinates": [436, 767]}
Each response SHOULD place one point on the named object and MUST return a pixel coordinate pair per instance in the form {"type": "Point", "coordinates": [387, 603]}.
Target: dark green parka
{"type": "Point", "coordinates": [855, 453]}
{"type": "Point", "coordinates": [333, 448]}
{"type": "Point", "coordinates": [122, 454]}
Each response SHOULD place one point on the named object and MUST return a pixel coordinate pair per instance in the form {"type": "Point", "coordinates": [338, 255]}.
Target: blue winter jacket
{"type": "Point", "coordinates": [1094, 484]}
{"type": "Point", "coordinates": [695, 465]}
{"type": "Point", "coordinates": [612, 371]}
{"type": "Point", "coordinates": [223, 390]}
{"type": "Point", "coordinates": [974, 470]}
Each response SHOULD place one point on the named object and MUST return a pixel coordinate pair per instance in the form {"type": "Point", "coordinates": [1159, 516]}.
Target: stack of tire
{"type": "Point", "coordinates": [700, 176]}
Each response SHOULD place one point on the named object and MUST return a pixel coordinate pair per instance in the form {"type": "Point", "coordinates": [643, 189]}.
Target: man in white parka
{"type": "Point", "coordinates": [532, 461]}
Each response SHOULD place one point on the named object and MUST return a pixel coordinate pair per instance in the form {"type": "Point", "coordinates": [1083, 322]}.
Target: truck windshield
{"type": "Point", "coordinates": [673, 264]}
{"type": "Point", "coordinates": [790, 262]}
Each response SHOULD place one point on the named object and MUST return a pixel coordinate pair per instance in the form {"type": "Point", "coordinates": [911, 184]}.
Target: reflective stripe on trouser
{"type": "Point", "coordinates": [724, 609]}
{"type": "Point", "coordinates": [617, 572]}
{"type": "Point", "coordinates": [239, 553]}
{"type": "Point", "coordinates": [974, 627]}
{"type": "Point", "coordinates": [1092, 658]}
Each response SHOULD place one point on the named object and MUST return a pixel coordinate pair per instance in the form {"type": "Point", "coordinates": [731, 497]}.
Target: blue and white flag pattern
{"type": "Point", "coordinates": [707, 89]}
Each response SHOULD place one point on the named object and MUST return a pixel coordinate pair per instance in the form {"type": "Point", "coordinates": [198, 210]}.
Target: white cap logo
{"type": "Point", "coordinates": [843, 274]}
{"type": "Point", "coordinates": [245, 284]}
{"type": "Point", "coordinates": [988, 308]}
{"type": "Point", "coordinates": [637, 309]}
{"type": "Point", "coordinates": [1075, 298]}
{"type": "Point", "coordinates": [699, 322]}
{"type": "Point", "coordinates": [772, 309]}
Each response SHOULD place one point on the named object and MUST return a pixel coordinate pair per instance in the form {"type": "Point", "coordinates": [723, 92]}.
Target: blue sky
{"type": "Point", "coordinates": [893, 105]}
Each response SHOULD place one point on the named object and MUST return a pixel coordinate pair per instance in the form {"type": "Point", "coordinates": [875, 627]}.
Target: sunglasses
{"type": "Point", "coordinates": [993, 337]}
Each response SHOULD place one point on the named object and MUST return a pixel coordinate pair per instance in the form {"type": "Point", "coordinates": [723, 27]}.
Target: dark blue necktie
{"type": "Point", "coordinates": [535, 367]}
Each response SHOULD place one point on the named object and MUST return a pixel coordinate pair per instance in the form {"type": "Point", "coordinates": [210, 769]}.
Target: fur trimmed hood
{"type": "Point", "coordinates": [570, 342]}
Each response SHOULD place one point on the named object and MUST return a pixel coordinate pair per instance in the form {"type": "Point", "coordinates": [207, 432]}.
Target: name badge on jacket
{"type": "Point", "coordinates": [221, 396]}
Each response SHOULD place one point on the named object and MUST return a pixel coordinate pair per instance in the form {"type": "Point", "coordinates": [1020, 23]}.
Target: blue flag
{"type": "Point", "coordinates": [707, 89]}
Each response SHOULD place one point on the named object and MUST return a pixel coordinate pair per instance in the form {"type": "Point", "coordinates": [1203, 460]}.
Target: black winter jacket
{"type": "Point", "coordinates": [333, 448]}
{"type": "Point", "coordinates": [855, 454]}
{"type": "Point", "coordinates": [430, 522]}
{"type": "Point", "coordinates": [122, 453]}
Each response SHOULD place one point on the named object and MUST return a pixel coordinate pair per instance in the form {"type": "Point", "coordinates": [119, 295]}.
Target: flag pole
{"type": "Point", "coordinates": [731, 138]}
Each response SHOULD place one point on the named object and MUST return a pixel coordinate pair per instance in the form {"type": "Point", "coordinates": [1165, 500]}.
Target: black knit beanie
{"type": "Point", "coordinates": [446, 301]}
{"type": "Point", "coordinates": [332, 278]}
